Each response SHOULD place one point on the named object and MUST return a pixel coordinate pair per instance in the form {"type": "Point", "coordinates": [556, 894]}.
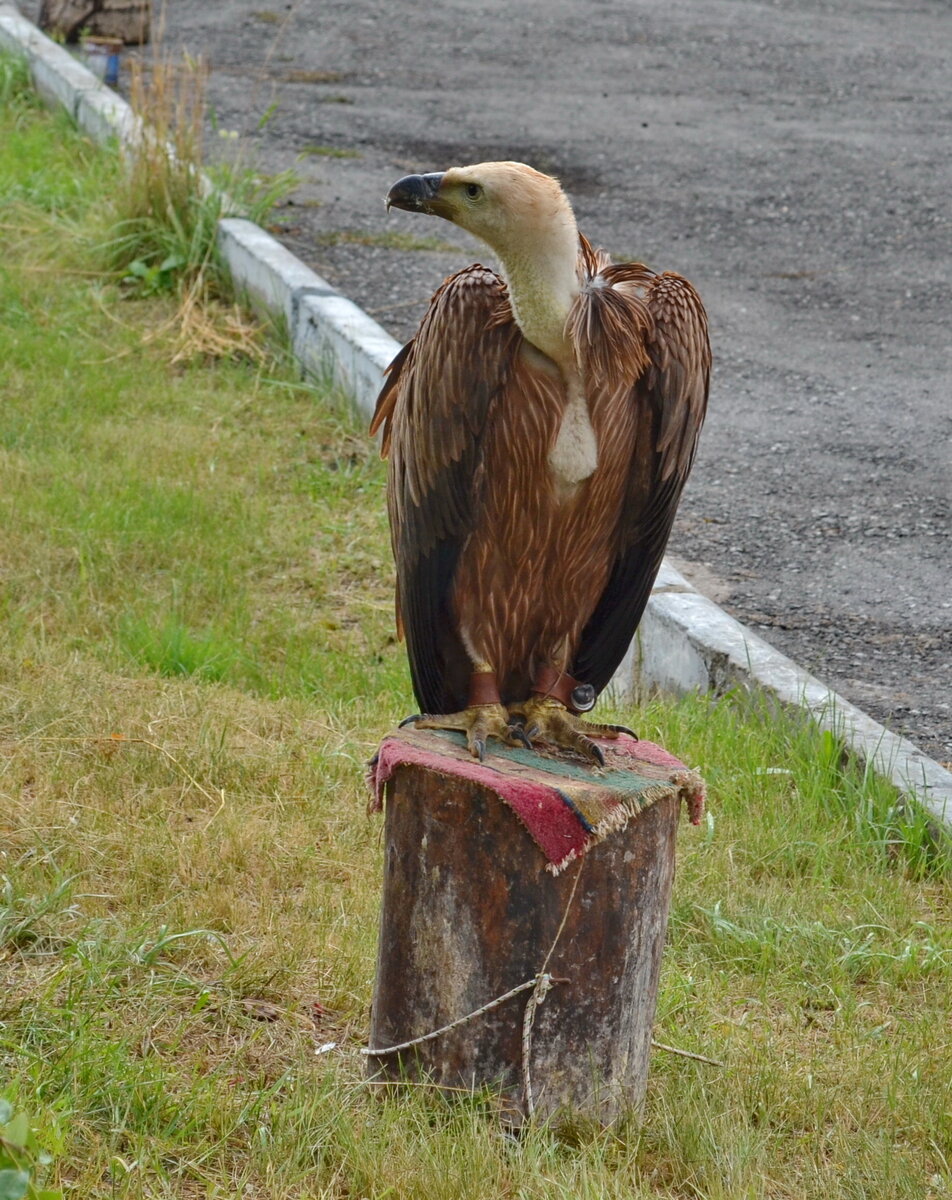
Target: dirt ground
{"type": "Point", "coordinates": [792, 158]}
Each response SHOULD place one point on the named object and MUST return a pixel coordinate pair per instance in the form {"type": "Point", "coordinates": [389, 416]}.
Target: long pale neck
{"type": "Point", "coordinates": [542, 277]}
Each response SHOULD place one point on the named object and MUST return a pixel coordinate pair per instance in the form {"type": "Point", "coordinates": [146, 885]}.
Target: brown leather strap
{"type": "Point", "coordinates": [483, 689]}
{"type": "Point", "coordinates": [557, 684]}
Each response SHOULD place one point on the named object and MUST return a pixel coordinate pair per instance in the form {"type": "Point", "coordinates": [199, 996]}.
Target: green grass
{"type": "Point", "coordinates": [196, 660]}
{"type": "Point", "coordinates": [328, 152]}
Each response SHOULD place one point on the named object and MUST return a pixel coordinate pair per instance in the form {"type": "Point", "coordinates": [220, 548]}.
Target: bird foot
{"type": "Point", "coordinates": [479, 722]}
{"type": "Point", "coordinates": [548, 720]}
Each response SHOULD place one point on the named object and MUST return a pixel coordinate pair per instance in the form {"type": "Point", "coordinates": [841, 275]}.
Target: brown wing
{"type": "Point", "coordinates": [434, 408]}
{"type": "Point", "coordinates": [670, 396]}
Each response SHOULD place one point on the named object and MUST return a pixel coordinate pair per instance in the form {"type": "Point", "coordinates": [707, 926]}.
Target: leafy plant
{"type": "Point", "coordinates": [22, 1161]}
{"type": "Point", "coordinates": [155, 279]}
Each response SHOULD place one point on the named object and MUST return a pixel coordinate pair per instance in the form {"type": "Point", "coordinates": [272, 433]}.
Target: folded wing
{"type": "Point", "coordinates": [670, 399]}
{"type": "Point", "coordinates": [433, 410]}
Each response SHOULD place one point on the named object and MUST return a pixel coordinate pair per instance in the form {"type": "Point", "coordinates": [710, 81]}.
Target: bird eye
{"type": "Point", "coordinates": [473, 190]}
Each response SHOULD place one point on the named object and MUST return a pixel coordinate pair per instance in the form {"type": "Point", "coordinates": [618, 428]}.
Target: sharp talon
{"type": "Point", "coordinates": [478, 723]}
{"type": "Point", "coordinates": [518, 732]}
{"type": "Point", "coordinates": [624, 729]}
{"type": "Point", "coordinates": [410, 720]}
{"type": "Point", "coordinates": [548, 720]}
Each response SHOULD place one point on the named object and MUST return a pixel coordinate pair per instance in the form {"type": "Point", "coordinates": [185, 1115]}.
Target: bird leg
{"type": "Point", "coordinates": [483, 717]}
{"type": "Point", "coordinates": [548, 720]}
{"type": "Point", "coordinates": [548, 715]}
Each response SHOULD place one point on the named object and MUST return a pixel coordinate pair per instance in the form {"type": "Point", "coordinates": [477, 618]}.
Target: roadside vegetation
{"type": "Point", "coordinates": [197, 659]}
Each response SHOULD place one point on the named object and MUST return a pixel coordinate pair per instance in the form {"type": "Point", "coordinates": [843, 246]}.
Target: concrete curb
{"type": "Point", "coordinates": [330, 335]}
{"type": "Point", "coordinates": [685, 640]}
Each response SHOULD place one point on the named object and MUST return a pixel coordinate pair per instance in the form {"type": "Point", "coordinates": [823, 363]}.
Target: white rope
{"type": "Point", "coordinates": [543, 984]}
{"type": "Point", "coordinates": [478, 1012]}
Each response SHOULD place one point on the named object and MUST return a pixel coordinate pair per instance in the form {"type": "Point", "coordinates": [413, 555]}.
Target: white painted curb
{"type": "Point", "coordinates": [684, 642]}
{"type": "Point", "coordinates": [330, 335]}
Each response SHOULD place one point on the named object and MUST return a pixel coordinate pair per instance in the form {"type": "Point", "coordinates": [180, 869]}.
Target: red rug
{"type": "Point", "coordinates": [566, 805]}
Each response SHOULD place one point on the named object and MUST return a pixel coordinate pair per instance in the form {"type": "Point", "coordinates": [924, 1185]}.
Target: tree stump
{"type": "Point", "coordinates": [128, 20]}
{"type": "Point", "coordinates": [471, 909]}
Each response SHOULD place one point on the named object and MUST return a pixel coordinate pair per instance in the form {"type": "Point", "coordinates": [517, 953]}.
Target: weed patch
{"type": "Point", "coordinates": [328, 152]}
{"type": "Point", "coordinates": [159, 229]}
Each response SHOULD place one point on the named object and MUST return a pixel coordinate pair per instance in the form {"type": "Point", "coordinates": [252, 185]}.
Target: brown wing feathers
{"type": "Point", "coordinates": [433, 410]}
{"type": "Point", "coordinates": [671, 399]}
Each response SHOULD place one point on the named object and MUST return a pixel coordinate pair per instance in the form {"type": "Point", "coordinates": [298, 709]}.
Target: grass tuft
{"type": "Point", "coordinates": [327, 152]}
{"type": "Point", "coordinates": [16, 88]}
{"type": "Point", "coordinates": [172, 649]}
{"type": "Point", "coordinates": [160, 225]}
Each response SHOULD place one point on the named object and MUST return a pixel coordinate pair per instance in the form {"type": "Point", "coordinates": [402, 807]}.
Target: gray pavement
{"type": "Point", "coordinates": [794, 160]}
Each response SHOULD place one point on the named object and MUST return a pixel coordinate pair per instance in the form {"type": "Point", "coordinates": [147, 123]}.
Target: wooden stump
{"type": "Point", "coordinates": [469, 912]}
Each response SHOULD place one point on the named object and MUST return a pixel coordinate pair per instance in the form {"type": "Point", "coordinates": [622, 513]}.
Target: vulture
{"type": "Point", "coordinates": [540, 427]}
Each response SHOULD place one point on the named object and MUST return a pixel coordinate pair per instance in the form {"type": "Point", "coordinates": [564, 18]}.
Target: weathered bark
{"type": "Point", "coordinates": [470, 912]}
{"type": "Point", "coordinates": [128, 20]}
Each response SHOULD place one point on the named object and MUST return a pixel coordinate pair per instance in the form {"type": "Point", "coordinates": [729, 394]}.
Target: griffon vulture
{"type": "Point", "coordinates": [540, 428]}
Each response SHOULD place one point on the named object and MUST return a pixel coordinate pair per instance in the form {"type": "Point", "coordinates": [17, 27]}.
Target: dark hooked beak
{"type": "Point", "coordinates": [415, 193]}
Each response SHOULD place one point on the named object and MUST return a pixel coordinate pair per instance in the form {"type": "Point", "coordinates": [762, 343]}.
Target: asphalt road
{"type": "Point", "coordinates": [793, 159]}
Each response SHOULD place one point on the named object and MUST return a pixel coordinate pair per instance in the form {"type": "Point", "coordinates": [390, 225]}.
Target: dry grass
{"type": "Point", "coordinates": [203, 327]}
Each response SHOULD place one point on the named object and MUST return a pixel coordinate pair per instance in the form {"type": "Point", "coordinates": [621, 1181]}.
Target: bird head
{"type": "Point", "coordinates": [506, 204]}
